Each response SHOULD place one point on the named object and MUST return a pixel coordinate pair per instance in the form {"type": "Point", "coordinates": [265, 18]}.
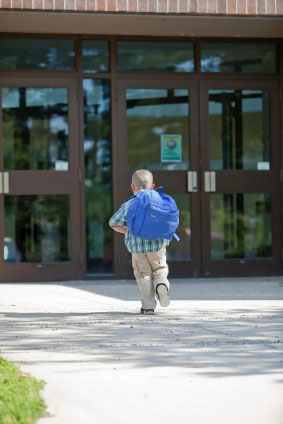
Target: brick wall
{"type": "Point", "coordinates": [231, 7]}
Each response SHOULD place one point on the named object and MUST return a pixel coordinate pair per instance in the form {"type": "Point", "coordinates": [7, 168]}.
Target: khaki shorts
{"type": "Point", "coordinates": [150, 269]}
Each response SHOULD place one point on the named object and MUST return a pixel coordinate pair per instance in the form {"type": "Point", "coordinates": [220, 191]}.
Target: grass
{"type": "Point", "coordinates": [20, 401]}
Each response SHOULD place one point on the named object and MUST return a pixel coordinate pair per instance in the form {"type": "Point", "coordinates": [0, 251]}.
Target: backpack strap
{"type": "Point", "coordinates": [176, 237]}
{"type": "Point", "coordinates": [159, 190]}
{"type": "Point", "coordinates": [132, 197]}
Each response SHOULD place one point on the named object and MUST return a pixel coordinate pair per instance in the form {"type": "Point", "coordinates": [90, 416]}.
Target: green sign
{"type": "Point", "coordinates": [171, 148]}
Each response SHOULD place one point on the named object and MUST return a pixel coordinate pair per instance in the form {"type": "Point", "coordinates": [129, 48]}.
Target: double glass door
{"type": "Point", "coordinates": [39, 184]}
{"type": "Point", "coordinates": [213, 146]}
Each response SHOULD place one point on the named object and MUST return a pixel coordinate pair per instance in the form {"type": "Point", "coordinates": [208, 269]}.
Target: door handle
{"type": "Point", "coordinates": [206, 181]}
{"type": "Point", "coordinates": [1, 183]}
{"type": "Point", "coordinates": [209, 181]}
{"type": "Point", "coordinates": [192, 181]}
{"type": "Point", "coordinates": [212, 181]}
{"type": "Point", "coordinates": [5, 182]}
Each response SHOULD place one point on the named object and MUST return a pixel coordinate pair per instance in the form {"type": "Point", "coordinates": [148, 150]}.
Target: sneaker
{"type": "Point", "coordinates": [162, 294]}
{"type": "Point", "coordinates": [147, 311]}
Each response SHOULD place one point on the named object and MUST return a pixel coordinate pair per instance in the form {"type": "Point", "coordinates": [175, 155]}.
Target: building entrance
{"type": "Point", "coordinates": [78, 115]}
{"type": "Point", "coordinates": [39, 180]}
{"type": "Point", "coordinates": [213, 146]}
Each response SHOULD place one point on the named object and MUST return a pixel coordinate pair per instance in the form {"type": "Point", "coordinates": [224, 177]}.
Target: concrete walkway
{"type": "Point", "coordinates": [215, 355]}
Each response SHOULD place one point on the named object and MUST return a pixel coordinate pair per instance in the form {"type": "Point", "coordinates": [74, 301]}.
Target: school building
{"type": "Point", "coordinates": [91, 90]}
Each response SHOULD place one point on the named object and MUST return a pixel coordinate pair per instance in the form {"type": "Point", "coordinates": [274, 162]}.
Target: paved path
{"type": "Point", "coordinates": [214, 356]}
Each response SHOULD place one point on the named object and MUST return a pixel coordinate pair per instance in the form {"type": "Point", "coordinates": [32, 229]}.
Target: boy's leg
{"type": "Point", "coordinates": [159, 275]}
{"type": "Point", "coordinates": [143, 275]}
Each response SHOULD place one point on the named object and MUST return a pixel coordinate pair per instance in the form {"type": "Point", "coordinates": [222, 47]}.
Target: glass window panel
{"type": "Point", "coordinates": [159, 56]}
{"type": "Point", "coordinates": [35, 128]}
{"type": "Point", "coordinates": [239, 129]}
{"type": "Point", "coordinates": [179, 251]}
{"type": "Point", "coordinates": [98, 175]}
{"type": "Point", "coordinates": [148, 93]}
{"type": "Point", "coordinates": [241, 225]}
{"type": "Point", "coordinates": [151, 116]}
{"type": "Point", "coordinates": [37, 228]}
{"type": "Point", "coordinates": [32, 53]}
{"type": "Point", "coordinates": [238, 57]}
{"type": "Point", "coordinates": [95, 56]}
{"type": "Point", "coordinates": [180, 92]}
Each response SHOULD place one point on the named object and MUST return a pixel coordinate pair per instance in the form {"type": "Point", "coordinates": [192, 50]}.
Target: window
{"type": "Point", "coordinates": [238, 57]}
{"type": "Point", "coordinates": [95, 56]}
{"type": "Point", "coordinates": [31, 53]}
{"type": "Point", "coordinates": [158, 56]}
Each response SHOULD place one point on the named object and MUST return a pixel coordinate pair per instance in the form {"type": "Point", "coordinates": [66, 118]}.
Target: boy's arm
{"type": "Point", "coordinates": [118, 228]}
{"type": "Point", "coordinates": [117, 221]}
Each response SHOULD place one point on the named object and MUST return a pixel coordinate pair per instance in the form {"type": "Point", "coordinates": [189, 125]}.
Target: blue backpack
{"type": "Point", "coordinates": [153, 215]}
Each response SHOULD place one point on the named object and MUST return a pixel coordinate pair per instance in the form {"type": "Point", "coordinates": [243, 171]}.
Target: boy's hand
{"type": "Point", "coordinates": [119, 229]}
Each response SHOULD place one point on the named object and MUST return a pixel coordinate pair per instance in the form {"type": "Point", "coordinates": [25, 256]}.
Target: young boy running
{"type": "Point", "coordinates": [148, 256]}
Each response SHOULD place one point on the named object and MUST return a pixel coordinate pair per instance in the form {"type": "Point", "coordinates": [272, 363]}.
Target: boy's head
{"type": "Point", "coordinates": [141, 180]}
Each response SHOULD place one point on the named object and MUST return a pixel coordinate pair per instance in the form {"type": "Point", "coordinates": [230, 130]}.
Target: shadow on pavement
{"type": "Point", "coordinates": [207, 341]}
{"type": "Point", "coordinates": [255, 288]}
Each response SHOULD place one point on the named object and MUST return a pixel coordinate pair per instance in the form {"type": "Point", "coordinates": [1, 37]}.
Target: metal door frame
{"type": "Point", "coordinates": [200, 214]}
{"type": "Point", "coordinates": [123, 176]}
{"type": "Point", "coordinates": [48, 182]}
{"type": "Point", "coordinates": [234, 181]}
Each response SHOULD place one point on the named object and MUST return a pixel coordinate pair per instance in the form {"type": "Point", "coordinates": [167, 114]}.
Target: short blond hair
{"type": "Point", "coordinates": [142, 179]}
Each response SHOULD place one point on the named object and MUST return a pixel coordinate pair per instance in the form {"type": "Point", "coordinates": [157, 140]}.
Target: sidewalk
{"type": "Point", "coordinates": [215, 355]}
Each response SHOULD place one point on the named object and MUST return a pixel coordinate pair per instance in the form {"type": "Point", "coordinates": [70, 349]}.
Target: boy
{"type": "Point", "coordinates": [148, 256]}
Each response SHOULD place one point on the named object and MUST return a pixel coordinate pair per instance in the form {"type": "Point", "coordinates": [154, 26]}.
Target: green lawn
{"type": "Point", "coordinates": [20, 401]}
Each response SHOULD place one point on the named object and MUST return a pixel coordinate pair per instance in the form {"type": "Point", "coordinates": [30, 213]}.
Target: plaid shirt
{"type": "Point", "coordinates": [136, 244]}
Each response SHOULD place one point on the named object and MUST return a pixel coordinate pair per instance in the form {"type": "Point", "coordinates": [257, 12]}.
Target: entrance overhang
{"type": "Point", "coordinates": [140, 24]}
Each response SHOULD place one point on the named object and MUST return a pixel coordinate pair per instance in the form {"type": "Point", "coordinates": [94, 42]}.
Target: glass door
{"type": "Point", "coordinates": [39, 180]}
{"type": "Point", "coordinates": [158, 120]}
{"type": "Point", "coordinates": [222, 167]}
{"type": "Point", "coordinates": [240, 173]}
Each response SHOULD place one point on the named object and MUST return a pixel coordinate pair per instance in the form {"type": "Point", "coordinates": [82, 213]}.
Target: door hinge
{"type": "Point", "coordinates": [281, 175]}
{"type": "Point", "coordinates": [119, 259]}
{"type": "Point", "coordinates": [281, 94]}
{"type": "Point", "coordinates": [81, 257]}
{"type": "Point", "coordinates": [117, 176]}
{"type": "Point", "coordinates": [78, 93]}
{"type": "Point", "coordinates": [282, 254]}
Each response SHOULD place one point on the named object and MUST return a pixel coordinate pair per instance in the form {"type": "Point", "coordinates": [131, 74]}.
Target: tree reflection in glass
{"type": "Point", "coordinates": [35, 128]}
{"type": "Point", "coordinates": [37, 53]}
{"type": "Point", "coordinates": [152, 113]}
{"type": "Point", "coordinates": [37, 228]}
{"type": "Point", "coordinates": [161, 56]}
{"type": "Point", "coordinates": [95, 55]}
{"type": "Point", "coordinates": [181, 250]}
{"type": "Point", "coordinates": [98, 175]}
{"type": "Point", "coordinates": [239, 129]}
{"type": "Point", "coordinates": [238, 57]}
{"type": "Point", "coordinates": [241, 225]}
